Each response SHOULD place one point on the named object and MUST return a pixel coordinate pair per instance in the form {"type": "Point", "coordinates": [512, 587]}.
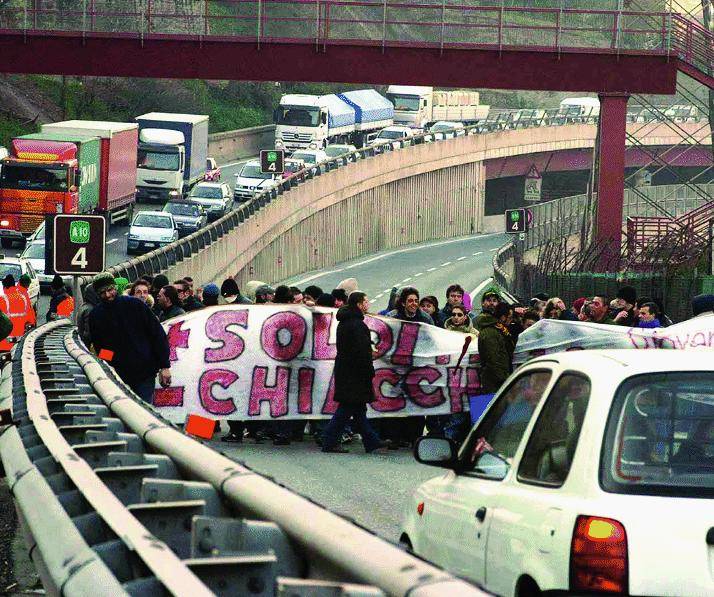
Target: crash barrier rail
{"type": "Point", "coordinates": [142, 509]}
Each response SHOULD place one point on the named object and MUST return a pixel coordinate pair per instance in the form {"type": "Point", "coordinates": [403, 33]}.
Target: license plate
{"type": "Point", "coordinates": [150, 244]}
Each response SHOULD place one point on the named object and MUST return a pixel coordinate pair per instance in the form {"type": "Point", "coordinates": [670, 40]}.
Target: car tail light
{"type": "Point", "coordinates": [598, 555]}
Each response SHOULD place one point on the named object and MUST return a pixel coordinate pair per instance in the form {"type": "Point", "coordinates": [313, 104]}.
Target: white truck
{"type": "Point", "coordinates": [314, 121]}
{"type": "Point", "coordinates": [420, 107]}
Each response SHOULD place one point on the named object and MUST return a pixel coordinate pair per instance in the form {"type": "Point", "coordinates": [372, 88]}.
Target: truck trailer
{"type": "Point", "coordinates": [313, 122]}
{"type": "Point", "coordinates": [117, 172]}
{"type": "Point", "coordinates": [47, 173]}
{"type": "Point", "coordinates": [173, 149]}
{"type": "Point", "coordinates": [420, 107]}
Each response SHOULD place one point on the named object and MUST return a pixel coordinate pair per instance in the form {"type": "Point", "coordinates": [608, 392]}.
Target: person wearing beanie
{"type": "Point", "coordinates": [264, 294]}
{"type": "Point", "coordinates": [230, 293]}
{"type": "Point", "coordinates": [703, 304]}
{"type": "Point", "coordinates": [122, 284]}
{"type": "Point", "coordinates": [130, 338]}
{"type": "Point", "coordinates": [159, 281]}
{"type": "Point", "coordinates": [210, 295]}
{"type": "Point", "coordinates": [578, 308]}
{"type": "Point", "coordinates": [61, 303]}
{"type": "Point", "coordinates": [625, 313]}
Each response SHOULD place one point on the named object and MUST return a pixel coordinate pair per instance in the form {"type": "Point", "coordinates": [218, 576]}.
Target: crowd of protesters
{"type": "Point", "coordinates": [495, 324]}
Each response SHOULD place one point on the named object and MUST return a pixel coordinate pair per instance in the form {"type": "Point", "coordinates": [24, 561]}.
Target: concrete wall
{"type": "Point", "coordinates": [244, 143]}
{"type": "Point", "coordinates": [416, 194]}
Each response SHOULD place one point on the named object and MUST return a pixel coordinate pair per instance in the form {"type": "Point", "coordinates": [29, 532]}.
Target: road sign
{"type": "Point", "coordinates": [79, 244]}
{"type": "Point", "coordinates": [534, 182]}
{"type": "Point", "coordinates": [272, 161]}
{"type": "Point", "coordinates": [516, 221]}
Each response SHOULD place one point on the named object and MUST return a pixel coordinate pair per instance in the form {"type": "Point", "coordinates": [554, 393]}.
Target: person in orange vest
{"type": "Point", "coordinates": [61, 303]}
{"type": "Point", "coordinates": [23, 285]}
{"type": "Point", "coordinates": [16, 307]}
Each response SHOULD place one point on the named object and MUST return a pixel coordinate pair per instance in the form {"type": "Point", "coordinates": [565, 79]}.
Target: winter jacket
{"type": "Point", "coordinates": [58, 296]}
{"type": "Point", "coordinates": [128, 328]}
{"type": "Point", "coordinates": [419, 316]}
{"type": "Point", "coordinates": [192, 304]}
{"type": "Point", "coordinates": [464, 328]}
{"type": "Point", "coordinates": [91, 300]}
{"type": "Point", "coordinates": [172, 311]}
{"type": "Point", "coordinates": [649, 325]}
{"type": "Point", "coordinates": [354, 370]}
{"type": "Point", "coordinates": [495, 347]}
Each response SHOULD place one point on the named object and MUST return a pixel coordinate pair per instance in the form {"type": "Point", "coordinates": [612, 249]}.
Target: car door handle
{"type": "Point", "coordinates": [481, 514]}
{"type": "Point", "coordinates": [710, 536]}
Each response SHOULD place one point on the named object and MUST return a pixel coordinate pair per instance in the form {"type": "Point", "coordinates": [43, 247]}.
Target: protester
{"type": "Point", "coordinates": [353, 374]}
{"type": "Point", "coordinates": [157, 284]}
{"type": "Point", "coordinates": [496, 347]}
{"type": "Point", "coordinates": [61, 303]}
{"type": "Point", "coordinates": [297, 295]}
{"type": "Point", "coordinates": [91, 300]}
{"type": "Point", "coordinates": [489, 301]}
{"type": "Point", "coordinates": [17, 308]}
{"type": "Point", "coordinates": [22, 286]}
{"type": "Point", "coordinates": [577, 309]}
{"type": "Point", "coordinates": [169, 303]}
{"type": "Point", "coordinates": [326, 300]}
{"type": "Point", "coordinates": [407, 307]}
{"type": "Point", "coordinates": [210, 295]}
{"type": "Point", "coordinates": [126, 334]}
{"type": "Point", "coordinates": [283, 295]}
{"type": "Point", "coordinates": [264, 294]}
{"type": "Point", "coordinates": [460, 322]}
{"type": "Point", "coordinates": [454, 296]}
{"type": "Point", "coordinates": [530, 318]}
{"type": "Point", "coordinates": [648, 317]}
{"type": "Point", "coordinates": [596, 311]}
{"type": "Point", "coordinates": [140, 290]}
{"type": "Point", "coordinates": [189, 299]}
{"type": "Point", "coordinates": [340, 296]}
{"type": "Point", "coordinates": [703, 304]}
{"type": "Point", "coordinates": [430, 306]}
{"type": "Point", "coordinates": [122, 284]}
{"type": "Point", "coordinates": [311, 294]}
{"type": "Point", "coordinates": [625, 312]}
{"type": "Point", "coordinates": [555, 309]}
{"type": "Point", "coordinates": [231, 294]}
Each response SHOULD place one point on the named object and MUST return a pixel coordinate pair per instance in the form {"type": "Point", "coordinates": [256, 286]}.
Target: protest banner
{"type": "Point", "coordinates": [275, 362]}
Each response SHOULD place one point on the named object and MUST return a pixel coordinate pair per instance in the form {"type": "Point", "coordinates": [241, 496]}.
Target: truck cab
{"type": "Point", "coordinates": [309, 121]}
{"type": "Point", "coordinates": [412, 105]}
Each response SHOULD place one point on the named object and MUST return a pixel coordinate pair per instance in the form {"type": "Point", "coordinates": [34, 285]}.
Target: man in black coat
{"type": "Point", "coordinates": [126, 334]}
{"type": "Point", "coordinates": [354, 372]}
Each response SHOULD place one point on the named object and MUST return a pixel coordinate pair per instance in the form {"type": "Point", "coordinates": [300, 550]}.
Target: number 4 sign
{"type": "Point", "coordinates": [79, 244]}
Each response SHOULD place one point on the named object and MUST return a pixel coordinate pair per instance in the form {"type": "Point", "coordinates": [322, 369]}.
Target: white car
{"type": "Point", "coordinates": [311, 157]}
{"type": "Point", "coordinates": [35, 253]}
{"type": "Point", "coordinates": [215, 197]}
{"type": "Point", "coordinates": [445, 129]}
{"type": "Point", "coordinates": [589, 471]}
{"type": "Point", "coordinates": [391, 136]}
{"type": "Point", "coordinates": [17, 266]}
{"type": "Point", "coordinates": [151, 230]}
{"type": "Point", "coordinates": [251, 180]}
{"type": "Point", "coordinates": [337, 151]}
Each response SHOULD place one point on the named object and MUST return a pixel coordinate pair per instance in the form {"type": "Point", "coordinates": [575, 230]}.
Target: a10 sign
{"type": "Point", "coordinates": [272, 161]}
{"type": "Point", "coordinates": [79, 244]}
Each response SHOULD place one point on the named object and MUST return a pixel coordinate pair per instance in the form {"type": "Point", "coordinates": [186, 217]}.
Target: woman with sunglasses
{"type": "Point", "coordinates": [460, 321]}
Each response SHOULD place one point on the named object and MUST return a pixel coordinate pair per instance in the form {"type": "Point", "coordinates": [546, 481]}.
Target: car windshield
{"type": "Point", "coordinates": [152, 221]}
{"type": "Point", "coordinates": [182, 209]}
{"type": "Point", "coordinates": [206, 192]}
{"type": "Point", "coordinates": [309, 158]}
{"type": "Point", "coordinates": [440, 128]}
{"type": "Point", "coordinates": [660, 436]}
{"type": "Point", "coordinates": [254, 171]}
{"type": "Point", "coordinates": [155, 160]}
{"type": "Point", "coordinates": [10, 269]}
{"type": "Point", "coordinates": [34, 251]}
{"type": "Point", "coordinates": [334, 150]}
{"type": "Point", "coordinates": [39, 233]}
{"type": "Point", "coordinates": [404, 103]}
{"type": "Point", "coordinates": [390, 135]}
{"type": "Point", "coordinates": [297, 116]}
{"type": "Point", "coordinates": [33, 178]}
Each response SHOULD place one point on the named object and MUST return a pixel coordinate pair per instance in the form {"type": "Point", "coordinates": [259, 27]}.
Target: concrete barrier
{"type": "Point", "coordinates": [243, 143]}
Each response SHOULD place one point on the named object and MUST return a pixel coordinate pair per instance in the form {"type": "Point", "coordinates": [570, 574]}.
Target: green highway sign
{"type": "Point", "coordinates": [516, 221]}
{"type": "Point", "coordinates": [78, 244]}
{"type": "Point", "coordinates": [272, 161]}
{"type": "Point", "coordinates": [79, 232]}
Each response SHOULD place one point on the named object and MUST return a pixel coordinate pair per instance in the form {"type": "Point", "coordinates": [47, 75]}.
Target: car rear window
{"type": "Point", "coordinates": [660, 436]}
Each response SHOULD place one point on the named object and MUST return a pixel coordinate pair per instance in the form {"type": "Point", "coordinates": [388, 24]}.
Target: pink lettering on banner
{"type": "Point", "coordinates": [330, 406]}
{"type": "Point", "coordinates": [699, 339]}
{"type": "Point", "coordinates": [418, 395]}
{"type": "Point", "coordinates": [443, 359]}
{"type": "Point", "coordinates": [458, 392]}
{"type": "Point", "coordinates": [385, 338]}
{"type": "Point", "coordinates": [406, 343]}
{"type": "Point", "coordinates": [177, 338]}
{"type": "Point", "coordinates": [289, 322]}
{"type": "Point", "coordinates": [386, 404]}
{"type": "Point", "coordinates": [306, 379]}
{"type": "Point", "coordinates": [276, 395]}
{"type": "Point", "coordinates": [169, 396]}
{"type": "Point", "coordinates": [232, 344]}
{"type": "Point", "coordinates": [322, 349]}
{"type": "Point", "coordinates": [213, 377]}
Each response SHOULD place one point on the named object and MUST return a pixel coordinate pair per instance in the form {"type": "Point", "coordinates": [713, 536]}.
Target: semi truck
{"type": "Point", "coordinates": [117, 164]}
{"type": "Point", "coordinates": [48, 173]}
{"type": "Point", "coordinates": [420, 107]}
{"type": "Point", "coordinates": [173, 149]}
{"type": "Point", "coordinates": [315, 121]}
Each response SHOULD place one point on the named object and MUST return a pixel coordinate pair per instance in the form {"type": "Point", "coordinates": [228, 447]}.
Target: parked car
{"type": "Point", "coordinates": [251, 180]}
{"type": "Point", "coordinates": [213, 171]}
{"type": "Point", "coordinates": [291, 166]}
{"type": "Point", "coordinates": [391, 136]}
{"type": "Point", "coordinates": [215, 197]}
{"type": "Point", "coordinates": [312, 158]}
{"type": "Point", "coordinates": [335, 151]}
{"type": "Point", "coordinates": [189, 216]}
{"type": "Point", "coordinates": [34, 253]}
{"type": "Point", "coordinates": [588, 471]}
{"type": "Point", "coordinates": [151, 230]}
{"type": "Point", "coordinates": [17, 266]}
{"type": "Point", "coordinates": [445, 129]}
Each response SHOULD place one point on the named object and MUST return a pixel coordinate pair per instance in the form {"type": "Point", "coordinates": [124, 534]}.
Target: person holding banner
{"type": "Point", "coordinates": [353, 372]}
{"type": "Point", "coordinates": [496, 347]}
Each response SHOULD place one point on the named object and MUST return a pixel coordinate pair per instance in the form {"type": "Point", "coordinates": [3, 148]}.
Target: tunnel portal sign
{"type": "Point", "coordinates": [79, 244]}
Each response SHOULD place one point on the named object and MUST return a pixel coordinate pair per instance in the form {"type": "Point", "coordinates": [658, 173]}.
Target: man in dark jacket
{"type": "Point", "coordinates": [61, 302]}
{"type": "Point", "coordinates": [495, 346]}
{"type": "Point", "coordinates": [185, 293]}
{"type": "Point", "coordinates": [169, 303]}
{"type": "Point", "coordinates": [407, 307]}
{"type": "Point", "coordinates": [91, 300]}
{"type": "Point", "coordinates": [354, 372]}
{"type": "Point", "coordinates": [126, 334]}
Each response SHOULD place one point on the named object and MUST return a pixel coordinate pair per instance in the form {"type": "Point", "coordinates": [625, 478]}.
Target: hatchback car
{"type": "Point", "coordinates": [251, 180]}
{"type": "Point", "coordinates": [188, 216]}
{"type": "Point", "coordinates": [337, 151]}
{"type": "Point", "coordinates": [215, 197]}
{"type": "Point", "coordinates": [35, 253]}
{"type": "Point", "coordinates": [445, 129]}
{"type": "Point", "coordinates": [392, 136]}
{"type": "Point", "coordinates": [588, 471]}
{"type": "Point", "coordinates": [151, 230]}
{"type": "Point", "coordinates": [17, 266]}
{"type": "Point", "coordinates": [313, 158]}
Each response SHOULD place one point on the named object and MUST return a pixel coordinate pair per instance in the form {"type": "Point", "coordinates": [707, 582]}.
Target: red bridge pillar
{"type": "Point", "coordinates": [611, 177]}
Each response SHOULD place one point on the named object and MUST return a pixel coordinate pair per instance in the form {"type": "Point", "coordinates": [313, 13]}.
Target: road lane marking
{"type": "Point", "coordinates": [480, 287]}
{"type": "Point", "coordinates": [445, 264]}
{"type": "Point", "coordinates": [419, 274]}
{"type": "Point", "coordinates": [112, 240]}
{"type": "Point", "coordinates": [431, 269]}
{"type": "Point", "coordinates": [462, 258]}
{"type": "Point", "coordinates": [477, 253]}
{"type": "Point", "coordinates": [405, 280]}
{"type": "Point", "coordinates": [494, 250]}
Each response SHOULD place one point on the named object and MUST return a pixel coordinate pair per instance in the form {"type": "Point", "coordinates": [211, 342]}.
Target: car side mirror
{"type": "Point", "coordinates": [436, 451]}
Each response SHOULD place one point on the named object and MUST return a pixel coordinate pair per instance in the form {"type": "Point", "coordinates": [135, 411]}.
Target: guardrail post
{"type": "Point", "coordinates": [317, 25]}
{"type": "Point", "coordinates": [443, 24]}
{"type": "Point", "coordinates": [384, 24]}
{"type": "Point", "coordinates": [260, 21]}
{"type": "Point", "coordinates": [84, 22]}
{"type": "Point", "coordinates": [500, 29]}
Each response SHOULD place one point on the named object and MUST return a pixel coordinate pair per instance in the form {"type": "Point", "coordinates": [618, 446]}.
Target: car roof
{"type": "Point", "coordinates": [156, 212]}
{"type": "Point", "coordinates": [210, 184]}
{"type": "Point", "coordinates": [396, 127]}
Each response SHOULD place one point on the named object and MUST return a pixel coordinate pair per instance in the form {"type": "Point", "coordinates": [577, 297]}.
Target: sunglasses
{"type": "Point", "coordinates": [457, 314]}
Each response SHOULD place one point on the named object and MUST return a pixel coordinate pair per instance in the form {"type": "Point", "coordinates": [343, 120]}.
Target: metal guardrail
{"type": "Point", "coordinates": [142, 509]}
